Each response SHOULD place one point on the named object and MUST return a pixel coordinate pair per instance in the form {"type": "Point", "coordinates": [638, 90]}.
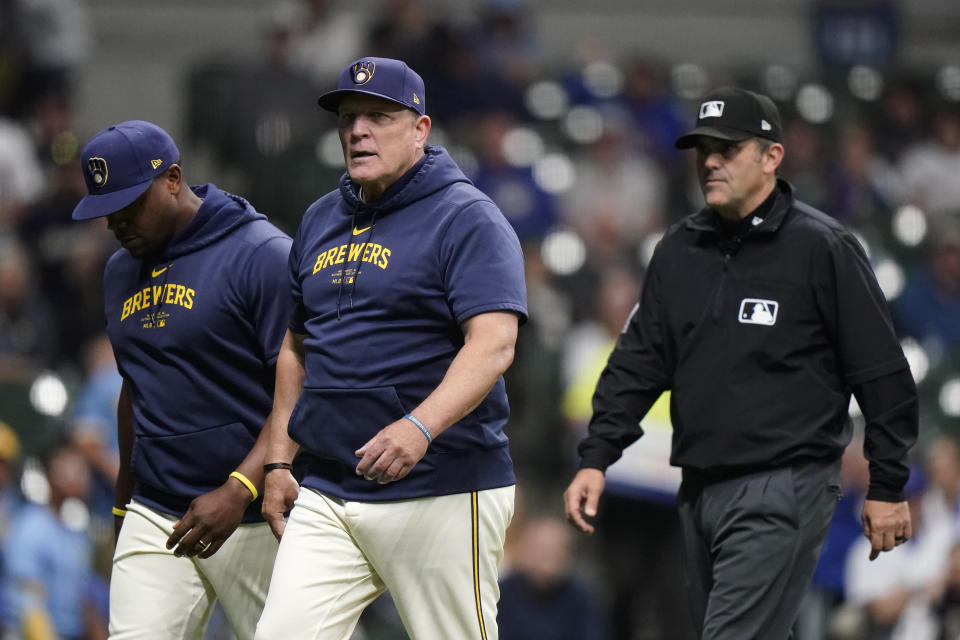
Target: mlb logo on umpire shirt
{"type": "Point", "coordinates": [757, 311]}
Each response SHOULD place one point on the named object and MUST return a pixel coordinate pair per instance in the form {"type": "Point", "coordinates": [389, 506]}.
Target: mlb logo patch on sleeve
{"type": "Point", "coordinates": [758, 311]}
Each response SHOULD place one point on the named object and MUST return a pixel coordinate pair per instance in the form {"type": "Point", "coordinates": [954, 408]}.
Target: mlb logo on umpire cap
{"type": "Point", "coordinates": [734, 115]}
{"type": "Point", "coordinates": [120, 163]}
{"type": "Point", "coordinates": [711, 109]}
{"type": "Point", "coordinates": [381, 77]}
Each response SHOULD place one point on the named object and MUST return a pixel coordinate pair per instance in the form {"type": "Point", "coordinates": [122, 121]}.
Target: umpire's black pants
{"type": "Point", "coordinates": [751, 545]}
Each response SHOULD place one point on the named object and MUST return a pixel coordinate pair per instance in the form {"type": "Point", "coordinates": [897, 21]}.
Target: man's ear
{"type": "Point", "coordinates": [772, 157]}
{"type": "Point", "coordinates": [173, 179]}
{"type": "Point", "coordinates": [422, 130]}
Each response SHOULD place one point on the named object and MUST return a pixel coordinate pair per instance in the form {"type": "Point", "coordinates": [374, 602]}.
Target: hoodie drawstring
{"type": "Point", "coordinates": [343, 274]}
{"type": "Point", "coordinates": [369, 241]}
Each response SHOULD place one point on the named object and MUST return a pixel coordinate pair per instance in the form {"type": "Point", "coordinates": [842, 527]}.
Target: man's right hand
{"type": "Point", "coordinates": [280, 491]}
{"type": "Point", "coordinates": [886, 525]}
{"type": "Point", "coordinates": [582, 496]}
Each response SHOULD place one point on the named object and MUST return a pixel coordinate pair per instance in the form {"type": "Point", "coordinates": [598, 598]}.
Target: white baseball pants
{"type": "Point", "coordinates": [155, 595]}
{"type": "Point", "coordinates": [437, 555]}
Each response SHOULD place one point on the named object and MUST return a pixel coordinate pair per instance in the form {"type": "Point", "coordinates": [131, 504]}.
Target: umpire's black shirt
{"type": "Point", "coordinates": [761, 330]}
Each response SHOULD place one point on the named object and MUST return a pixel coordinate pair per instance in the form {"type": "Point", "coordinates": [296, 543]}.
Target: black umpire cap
{"type": "Point", "coordinates": [735, 115]}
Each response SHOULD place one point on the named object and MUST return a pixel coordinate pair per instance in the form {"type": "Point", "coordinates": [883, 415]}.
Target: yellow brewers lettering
{"type": "Point", "coordinates": [370, 252]}
{"type": "Point", "coordinates": [169, 293]}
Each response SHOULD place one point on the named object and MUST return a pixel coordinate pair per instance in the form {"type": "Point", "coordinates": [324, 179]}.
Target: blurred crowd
{"type": "Point", "coordinates": [578, 154]}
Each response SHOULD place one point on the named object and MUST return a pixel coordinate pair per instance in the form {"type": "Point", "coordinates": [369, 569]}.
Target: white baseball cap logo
{"type": "Point", "coordinates": [758, 311]}
{"type": "Point", "coordinates": [711, 109]}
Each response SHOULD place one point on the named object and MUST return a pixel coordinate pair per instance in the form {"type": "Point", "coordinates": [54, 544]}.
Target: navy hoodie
{"type": "Point", "coordinates": [380, 290]}
{"type": "Point", "coordinates": [196, 332]}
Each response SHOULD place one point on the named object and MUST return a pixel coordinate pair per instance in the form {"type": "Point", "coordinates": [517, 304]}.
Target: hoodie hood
{"type": "Point", "coordinates": [434, 172]}
{"type": "Point", "coordinates": [220, 213]}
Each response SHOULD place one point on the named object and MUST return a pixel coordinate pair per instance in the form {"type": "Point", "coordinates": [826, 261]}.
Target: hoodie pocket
{"type": "Point", "coordinates": [191, 463]}
{"type": "Point", "coordinates": [333, 423]}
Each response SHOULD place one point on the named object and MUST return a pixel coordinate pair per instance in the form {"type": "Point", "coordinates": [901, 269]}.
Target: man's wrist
{"type": "Point", "coordinates": [248, 485]}
{"type": "Point", "coordinates": [419, 425]}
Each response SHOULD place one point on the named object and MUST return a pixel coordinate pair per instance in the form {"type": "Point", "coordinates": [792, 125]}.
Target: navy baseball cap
{"type": "Point", "coordinates": [382, 77]}
{"type": "Point", "coordinates": [735, 115]}
{"type": "Point", "coordinates": [119, 163]}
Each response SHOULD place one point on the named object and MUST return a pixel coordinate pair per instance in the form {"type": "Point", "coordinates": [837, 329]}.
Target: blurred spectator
{"type": "Point", "coordinates": [46, 227]}
{"type": "Point", "coordinates": [897, 590]}
{"type": "Point", "coordinates": [618, 196]}
{"type": "Point", "coordinates": [50, 120]}
{"type": "Point", "coordinates": [56, 36]}
{"type": "Point", "coordinates": [329, 35]}
{"type": "Point", "coordinates": [928, 309]}
{"type": "Point", "coordinates": [657, 116]}
{"type": "Point", "coordinates": [9, 496]}
{"type": "Point", "coordinates": [402, 30]}
{"type": "Point", "coordinates": [49, 577]}
{"type": "Point", "coordinates": [530, 209]}
{"type": "Point", "coordinates": [94, 426]}
{"type": "Point", "coordinates": [513, 541]}
{"type": "Point", "coordinates": [640, 556]}
{"type": "Point", "coordinates": [930, 167]}
{"type": "Point", "coordinates": [462, 89]}
{"type": "Point", "coordinates": [942, 500]}
{"type": "Point", "coordinates": [507, 46]}
{"type": "Point", "coordinates": [861, 186]}
{"type": "Point", "coordinates": [821, 607]}
{"type": "Point", "coordinates": [273, 123]}
{"type": "Point", "coordinates": [541, 599]}
{"type": "Point", "coordinates": [537, 446]}
{"type": "Point", "coordinates": [554, 310]}
{"type": "Point", "coordinates": [805, 165]}
{"type": "Point", "coordinates": [589, 345]}
{"type": "Point", "coordinates": [947, 610]}
{"type": "Point", "coordinates": [27, 331]}
{"type": "Point", "coordinates": [21, 178]}
{"type": "Point", "coordinates": [10, 47]}
{"type": "Point", "coordinates": [70, 261]}
{"type": "Point", "coordinates": [901, 118]}
{"type": "Point", "coordinates": [9, 502]}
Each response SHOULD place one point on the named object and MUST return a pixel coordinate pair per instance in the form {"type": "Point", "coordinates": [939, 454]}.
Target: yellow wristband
{"type": "Point", "coordinates": [246, 482]}
{"type": "Point", "coordinates": [117, 511]}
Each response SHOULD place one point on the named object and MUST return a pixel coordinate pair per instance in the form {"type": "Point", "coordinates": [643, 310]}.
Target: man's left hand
{"type": "Point", "coordinates": [392, 453]}
{"type": "Point", "coordinates": [209, 521]}
{"type": "Point", "coordinates": [886, 525]}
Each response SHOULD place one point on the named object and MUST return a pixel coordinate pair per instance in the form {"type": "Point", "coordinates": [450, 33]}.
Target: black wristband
{"type": "Point", "coordinates": [267, 468]}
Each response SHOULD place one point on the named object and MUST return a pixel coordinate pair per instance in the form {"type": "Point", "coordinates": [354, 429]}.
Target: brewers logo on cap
{"type": "Point", "coordinates": [98, 171]}
{"type": "Point", "coordinates": [363, 71]}
{"type": "Point", "coordinates": [394, 81]}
